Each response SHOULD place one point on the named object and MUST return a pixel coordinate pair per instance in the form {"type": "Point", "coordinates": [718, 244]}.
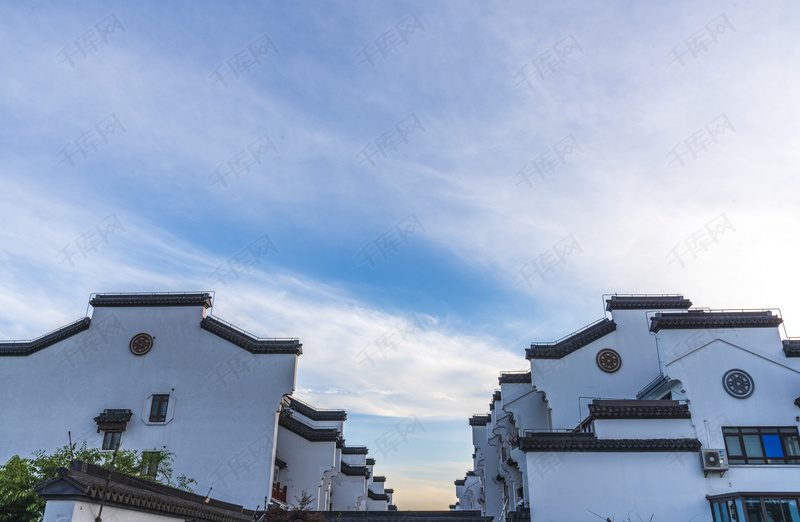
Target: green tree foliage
{"type": "Point", "coordinates": [18, 476]}
{"type": "Point", "coordinates": [299, 512]}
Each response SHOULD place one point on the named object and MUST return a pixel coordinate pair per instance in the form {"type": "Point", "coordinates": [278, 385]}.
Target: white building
{"type": "Point", "coordinates": [656, 410]}
{"type": "Point", "coordinates": [154, 371]}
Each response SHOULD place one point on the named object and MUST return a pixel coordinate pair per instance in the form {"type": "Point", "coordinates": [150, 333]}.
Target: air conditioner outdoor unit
{"type": "Point", "coordinates": [714, 460]}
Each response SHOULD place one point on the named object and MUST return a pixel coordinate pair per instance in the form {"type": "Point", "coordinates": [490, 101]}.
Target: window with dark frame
{"type": "Point", "coordinates": [770, 507]}
{"type": "Point", "coordinates": [158, 409]}
{"type": "Point", "coordinates": [111, 439]}
{"type": "Point", "coordinates": [777, 445]}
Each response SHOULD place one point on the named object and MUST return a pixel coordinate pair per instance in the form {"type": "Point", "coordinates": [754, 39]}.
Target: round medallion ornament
{"type": "Point", "coordinates": [141, 344]}
{"type": "Point", "coordinates": [608, 360]}
{"type": "Point", "coordinates": [738, 383]}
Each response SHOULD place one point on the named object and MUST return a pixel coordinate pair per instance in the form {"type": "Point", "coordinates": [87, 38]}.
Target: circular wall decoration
{"type": "Point", "coordinates": [738, 383]}
{"type": "Point", "coordinates": [608, 360]}
{"type": "Point", "coordinates": [141, 343]}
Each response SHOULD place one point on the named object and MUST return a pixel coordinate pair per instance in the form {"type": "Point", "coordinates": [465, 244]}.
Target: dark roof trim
{"type": "Point", "coordinates": [496, 396]}
{"type": "Point", "coordinates": [588, 442]}
{"type": "Point", "coordinates": [88, 482]}
{"type": "Point", "coordinates": [280, 463]}
{"type": "Point", "coordinates": [354, 471]}
{"type": "Point", "coordinates": [377, 496]}
{"type": "Point", "coordinates": [370, 462]}
{"type": "Point", "coordinates": [791, 348]}
{"type": "Point", "coordinates": [460, 482]}
{"type": "Point", "coordinates": [471, 474]}
{"type": "Point", "coordinates": [355, 450]}
{"type": "Point", "coordinates": [315, 414]}
{"type": "Point", "coordinates": [378, 478]}
{"type": "Point", "coordinates": [307, 432]}
{"type": "Point", "coordinates": [49, 339]}
{"type": "Point", "coordinates": [571, 343]}
{"type": "Point", "coordinates": [244, 340]}
{"type": "Point", "coordinates": [203, 299]}
{"type": "Point", "coordinates": [514, 378]}
{"type": "Point", "coordinates": [647, 302]}
{"type": "Point", "coordinates": [388, 491]}
{"type": "Point", "coordinates": [599, 409]}
{"type": "Point", "coordinates": [109, 415]}
{"type": "Point", "coordinates": [699, 319]}
{"type": "Point", "coordinates": [480, 420]}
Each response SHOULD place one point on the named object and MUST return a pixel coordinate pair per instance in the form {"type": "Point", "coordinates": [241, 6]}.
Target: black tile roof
{"type": "Point", "coordinates": [388, 491]}
{"type": "Point", "coordinates": [377, 496]}
{"type": "Point", "coordinates": [308, 432]}
{"type": "Point", "coordinates": [355, 450]}
{"type": "Point", "coordinates": [700, 319]}
{"type": "Point", "coordinates": [354, 471]}
{"type": "Point", "coordinates": [514, 378]}
{"type": "Point", "coordinates": [587, 442]}
{"type": "Point", "coordinates": [203, 299]}
{"type": "Point", "coordinates": [460, 482]}
{"type": "Point", "coordinates": [244, 340]}
{"type": "Point", "coordinates": [113, 416]}
{"type": "Point", "coordinates": [17, 348]}
{"type": "Point", "coordinates": [647, 302]}
{"type": "Point", "coordinates": [378, 478]}
{"type": "Point", "coordinates": [638, 409]}
{"type": "Point", "coordinates": [496, 396]}
{"type": "Point", "coordinates": [480, 420]}
{"type": "Point", "coordinates": [280, 463]}
{"type": "Point", "coordinates": [791, 348]}
{"type": "Point", "coordinates": [572, 342]}
{"type": "Point", "coordinates": [315, 414]}
{"type": "Point", "coordinates": [471, 474]}
{"type": "Point", "coordinates": [88, 482]}
{"type": "Point", "coordinates": [370, 462]}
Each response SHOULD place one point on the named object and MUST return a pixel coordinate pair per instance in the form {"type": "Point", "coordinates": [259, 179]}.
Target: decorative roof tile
{"type": "Point", "coordinates": [496, 396]}
{"type": "Point", "coordinates": [315, 414]}
{"type": "Point", "coordinates": [588, 442]}
{"type": "Point", "coordinates": [307, 432]}
{"type": "Point", "coordinates": [355, 450]}
{"type": "Point", "coordinates": [791, 348]}
{"type": "Point", "coordinates": [700, 319]}
{"type": "Point", "coordinates": [370, 461]}
{"type": "Point", "coordinates": [244, 340]}
{"type": "Point", "coordinates": [378, 478]}
{"type": "Point", "coordinates": [480, 420]}
{"type": "Point", "coordinates": [572, 342]}
{"type": "Point", "coordinates": [460, 482]}
{"type": "Point", "coordinates": [203, 299]}
{"type": "Point", "coordinates": [647, 302]}
{"type": "Point", "coordinates": [28, 347]}
{"type": "Point", "coordinates": [638, 409]}
{"type": "Point", "coordinates": [354, 471]}
{"type": "Point", "coordinates": [515, 378]}
{"type": "Point", "coordinates": [377, 496]}
{"type": "Point", "coordinates": [92, 483]}
{"type": "Point", "coordinates": [113, 416]}
{"type": "Point", "coordinates": [388, 491]}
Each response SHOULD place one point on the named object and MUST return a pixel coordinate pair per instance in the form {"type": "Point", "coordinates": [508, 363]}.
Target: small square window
{"type": "Point", "coordinates": [158, 409]}
{"type": "Point", "coordinates": [111, 439]}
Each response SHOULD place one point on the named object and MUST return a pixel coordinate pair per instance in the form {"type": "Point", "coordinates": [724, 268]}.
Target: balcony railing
{"type": "Point", "coordinates": [278, 493]}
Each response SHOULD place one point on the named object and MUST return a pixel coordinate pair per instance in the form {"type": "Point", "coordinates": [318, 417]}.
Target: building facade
{"type": "Point", "coordinates": [656, 410]}
{"type": "Point", "coordinates": [158, 372]}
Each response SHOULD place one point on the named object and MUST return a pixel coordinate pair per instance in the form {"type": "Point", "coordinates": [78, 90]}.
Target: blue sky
{"type": "Point", "coordinates": [524, 159]}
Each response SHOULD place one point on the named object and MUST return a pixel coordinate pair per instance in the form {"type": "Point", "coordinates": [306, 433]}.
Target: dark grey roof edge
{"type": "Point", "coordinates": [49, 339]}
{"type": "Point", "coordinates": [377, 496]}
{"type": "Point", "coordinates": [355, 450]}
{"type": "Point", "coordinates": [354, 471]}
{"type": "Point", "coordinates": [514, 378]}
{"type": "Point", "coordinates": [203, 299]}
{"type": "Point", "coordinates": [575, 341]}
{"type": "Point", "coordinates": [700, 319]}
{"type": "Point", "coordinates": [378, 478]}
{"type": "Point", "coordinates": [308, 432]}
{"type": "Point", "coordinates": [252, 344]}
{"type": "Point", "coordinates": [87, 482]}
{"type": "Point", "coordinates": [315, 414]}
{"type": "Point", "coordinates": [479, 420]}
{"type": "Point", "coordinates": [577, 443]}
{"type": "Point", "coordinates": [647, 302]}
{"type": "Point", "coordinates": [791, 348]}
{"type": "Point", "coordinates": [638, 410]}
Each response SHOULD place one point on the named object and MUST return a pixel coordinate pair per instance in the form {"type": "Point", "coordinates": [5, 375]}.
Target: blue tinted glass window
{"type": "Point", "coordinates": [772, 446]}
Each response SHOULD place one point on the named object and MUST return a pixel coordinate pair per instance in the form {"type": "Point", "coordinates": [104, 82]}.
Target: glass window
{"type": "Point", "coordinates": [772, 446]}
{"type": "Point", "coordinates": [753, 508]}
{"type": "Point", "coordinates": [158, 410]}
{"type": "Point", "coordinates": [111, 439]}
{"type": "Point", "coordinates": [790, 510]}
{"type": "Point", "coordinates": [762, 445]}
